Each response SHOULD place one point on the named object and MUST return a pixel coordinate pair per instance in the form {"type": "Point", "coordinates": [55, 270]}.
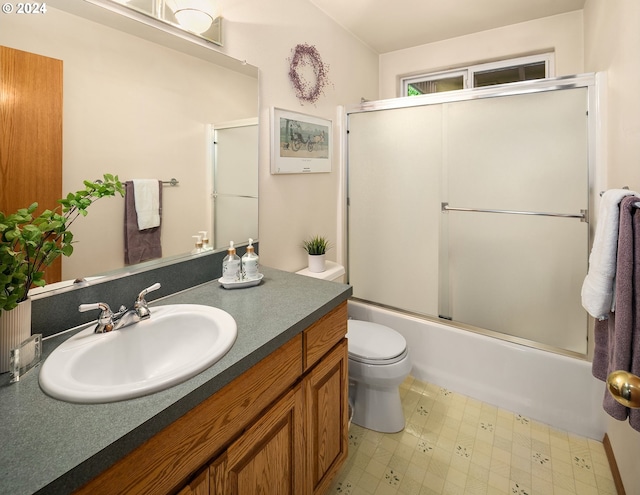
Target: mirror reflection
{"type": "Point", "coordinates": [140, 110]}
{"type": "Point", "coordinates": [199, 18]}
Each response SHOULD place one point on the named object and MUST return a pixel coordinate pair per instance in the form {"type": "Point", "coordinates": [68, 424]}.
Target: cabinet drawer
{"type": "Point", "coordinates": [320, 337]}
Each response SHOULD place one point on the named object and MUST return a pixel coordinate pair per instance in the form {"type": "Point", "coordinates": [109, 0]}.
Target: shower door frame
{"type": "Point", "coordinates": [594, 84]}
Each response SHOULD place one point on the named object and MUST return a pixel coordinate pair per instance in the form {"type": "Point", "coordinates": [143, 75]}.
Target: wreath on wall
{"type": "Point", "coordinates": [308, 73]}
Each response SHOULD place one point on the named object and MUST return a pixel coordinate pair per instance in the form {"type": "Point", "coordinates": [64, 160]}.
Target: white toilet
{"type": "Point", "coordinates": [378, 363]}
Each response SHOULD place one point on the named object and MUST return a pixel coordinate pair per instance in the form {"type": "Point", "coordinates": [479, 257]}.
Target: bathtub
{"type": "Point", "coordinates": [550, 388]}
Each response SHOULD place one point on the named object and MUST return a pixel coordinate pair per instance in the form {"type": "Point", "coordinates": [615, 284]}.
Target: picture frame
{"type": "Point", "coordinates": [300, 144]}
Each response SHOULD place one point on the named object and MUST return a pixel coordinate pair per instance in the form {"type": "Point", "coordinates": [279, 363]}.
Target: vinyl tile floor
{"type": "Point", "coordinates": [453, 444]}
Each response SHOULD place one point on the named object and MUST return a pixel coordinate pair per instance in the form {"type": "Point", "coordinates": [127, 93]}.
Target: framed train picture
{"type": "Point", "coordinates": [299, 143]}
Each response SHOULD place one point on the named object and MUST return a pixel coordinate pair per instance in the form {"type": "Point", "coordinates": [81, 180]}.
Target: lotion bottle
{"type": "Point", "coordinates": [205, 241]}
{"type": "Point", "coordinates": [250, 267]}
{"type": "Point", "coordinates": [198, 248]}
{"type": "Point", "coordinates": [231, 265]}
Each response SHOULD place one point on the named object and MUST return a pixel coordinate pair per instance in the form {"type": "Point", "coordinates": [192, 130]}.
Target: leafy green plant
{"type": "Point", "coordinates": [316, 245]}
{"type": "Point", "coordinates": [29, 244]}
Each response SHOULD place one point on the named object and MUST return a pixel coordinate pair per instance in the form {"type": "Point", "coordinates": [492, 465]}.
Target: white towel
{"type": "Point", "coordinates": [147, 201]}
{"type": "Point", "coordinates": [598, 287]}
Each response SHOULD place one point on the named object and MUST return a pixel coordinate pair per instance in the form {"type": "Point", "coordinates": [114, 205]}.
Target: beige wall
{"type": "Point", "coordinates": [612, 45]}
{"type": "Point", "coordinates": [561, 34]}
{"type": "Point", "coordinates": [293, 207]}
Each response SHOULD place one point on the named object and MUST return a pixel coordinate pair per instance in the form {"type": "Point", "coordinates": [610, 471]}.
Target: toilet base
{"type": "Point", "coordinates": [377, 409]}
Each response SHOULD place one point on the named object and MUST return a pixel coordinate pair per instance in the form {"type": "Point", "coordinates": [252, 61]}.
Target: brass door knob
{"type": "Point", "coordinates": [625, 388]}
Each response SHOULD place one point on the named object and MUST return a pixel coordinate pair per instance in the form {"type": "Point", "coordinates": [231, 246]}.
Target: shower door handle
{"type": "Point", "coordinates": [582, 215]}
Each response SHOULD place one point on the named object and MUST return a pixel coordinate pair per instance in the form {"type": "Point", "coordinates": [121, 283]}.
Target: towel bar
{"type": "Point", "coordinates": [637, 205]}
{"type": "Point", "coordinates": [172, 182]}
{"type": "Point", "coordinates": [623, 187]}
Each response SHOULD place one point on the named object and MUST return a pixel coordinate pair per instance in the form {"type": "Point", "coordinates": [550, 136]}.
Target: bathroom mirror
{"type": "Point", "coordinates": [205, 23]}
{"type": "Point", "coordinates": [139, 102]}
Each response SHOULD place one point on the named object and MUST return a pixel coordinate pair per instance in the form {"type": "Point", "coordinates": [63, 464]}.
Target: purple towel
{"type": "Point", "coordinates": [600, 364]}
{"type": "Point", "coordinates": [634, 414]}
{"type": "Point", "coordinates": [617, 339]}
{"type": "Point", "coordinates": [139, 245]}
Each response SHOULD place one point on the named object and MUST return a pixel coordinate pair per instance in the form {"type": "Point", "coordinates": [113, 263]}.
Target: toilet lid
{"type": "Point", "coordinates": [374, 343]}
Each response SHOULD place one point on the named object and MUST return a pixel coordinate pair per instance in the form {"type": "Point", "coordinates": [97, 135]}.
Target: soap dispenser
{"type": "Point", "coordinates": [198, 248]}
{"type": "Point", "coordinates": [231, 265]}
{"type": "Point", "coordinates": [250, 263]}
{"type": "Point", "coordinates": [205, 241]}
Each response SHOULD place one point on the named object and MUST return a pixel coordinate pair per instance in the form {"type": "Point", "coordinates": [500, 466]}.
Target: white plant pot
{"type": "Point", "coordinates": [15, 327]}
{"type": "Point", "coordinates": [317, 263]}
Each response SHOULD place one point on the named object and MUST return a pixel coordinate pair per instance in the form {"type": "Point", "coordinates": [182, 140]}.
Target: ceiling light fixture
{"type": "Point", "coordinates": [194, 15]}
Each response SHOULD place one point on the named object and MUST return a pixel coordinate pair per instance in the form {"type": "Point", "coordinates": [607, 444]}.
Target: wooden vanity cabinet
{"type": "Point", "coordinates": [267, 457]}
{"type": "Point", "coordinates": [280, 428]}
{"type": "Point", "coordinates": [298, 445]}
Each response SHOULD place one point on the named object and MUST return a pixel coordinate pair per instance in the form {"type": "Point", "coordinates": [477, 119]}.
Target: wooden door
{"type": "Point", "coordinates": [30, 134]}
{"type": "Point", "coordinates": [269, 458]}
{"type": "Point", "coordinates": [326, 397]}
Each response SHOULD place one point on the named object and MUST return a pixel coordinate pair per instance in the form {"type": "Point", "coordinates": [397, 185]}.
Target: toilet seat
{"type": "Point", "coordinates": [371, 343]}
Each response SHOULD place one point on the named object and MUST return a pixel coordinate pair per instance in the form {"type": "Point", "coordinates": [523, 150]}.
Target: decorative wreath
{"type": "Point", "coordinates": [308, 56]}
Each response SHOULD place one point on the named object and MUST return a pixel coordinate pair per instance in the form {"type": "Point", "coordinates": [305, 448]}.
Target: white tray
{"type": "Point", "coordinates": [242, 283]}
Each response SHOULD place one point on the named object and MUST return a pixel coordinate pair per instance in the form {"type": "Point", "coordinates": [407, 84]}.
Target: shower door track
{"type": "Point", "coordinates": [583, 215]}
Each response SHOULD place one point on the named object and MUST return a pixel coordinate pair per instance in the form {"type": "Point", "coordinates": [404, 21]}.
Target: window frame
{"type": "Point", "coordinates": [469, 71]}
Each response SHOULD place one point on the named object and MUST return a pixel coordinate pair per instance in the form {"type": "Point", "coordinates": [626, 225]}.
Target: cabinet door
{"type": "Point", "coordinates": [198, 486]}
{"type": "Point", "coordinates": [326, 392]}
{"type": "Point", "coordinates": [269, 457]}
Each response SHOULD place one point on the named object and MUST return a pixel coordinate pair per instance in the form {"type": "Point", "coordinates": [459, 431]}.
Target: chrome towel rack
{"type": "Point", "coordinates": [582, 215]}
{"type": "Point", "coordinates": [172, 182]}
{"type": "Point", "coordinates": [637, 204]}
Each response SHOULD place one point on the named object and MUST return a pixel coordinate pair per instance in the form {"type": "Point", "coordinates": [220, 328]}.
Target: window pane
{"type": "Point", "coordinates": [435, 86]}
{"type": "Point", "coordinates": [509, 74]}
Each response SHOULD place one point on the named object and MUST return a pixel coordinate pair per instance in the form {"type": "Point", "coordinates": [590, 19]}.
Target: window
{"type": "Point", "coordinates": [475, 76]}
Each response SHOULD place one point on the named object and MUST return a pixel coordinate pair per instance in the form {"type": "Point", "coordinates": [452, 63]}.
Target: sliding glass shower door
{"type": "Point", "coordinates": [394, 207]}
{"type": "Point", "coordinates": [475, 211]}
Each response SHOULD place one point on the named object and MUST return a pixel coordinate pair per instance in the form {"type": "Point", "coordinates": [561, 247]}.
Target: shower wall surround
{"type": "Point", "coordinates": [482, 196]}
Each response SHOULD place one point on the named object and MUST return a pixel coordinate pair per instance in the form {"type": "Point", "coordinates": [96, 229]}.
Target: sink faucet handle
{"type": "Point", "coordinates": [140, 305]}
{"type": "Point", "coordinates": [155, 286]}
{"type": "Point", "coordinates": [105, 320]}
{"type": "Point", "coordinates": [90, 307]}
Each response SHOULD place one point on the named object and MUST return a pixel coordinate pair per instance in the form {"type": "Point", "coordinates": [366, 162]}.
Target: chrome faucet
{"type": "Point", "coordinates": [108, 320]}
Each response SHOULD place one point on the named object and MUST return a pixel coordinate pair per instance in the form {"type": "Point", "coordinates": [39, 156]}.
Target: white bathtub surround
{"type": "Point", "coordinates": [554, 389]}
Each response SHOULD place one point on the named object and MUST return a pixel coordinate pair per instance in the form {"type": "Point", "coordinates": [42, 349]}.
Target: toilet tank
{"type": "Point", "coordinates": [334, 272]}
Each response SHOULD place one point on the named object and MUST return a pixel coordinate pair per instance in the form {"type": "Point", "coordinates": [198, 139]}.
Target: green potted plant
{"type": "Point", "coordinates": [316, 248]}
{"type": "Point", "coordinates": [29, 244]}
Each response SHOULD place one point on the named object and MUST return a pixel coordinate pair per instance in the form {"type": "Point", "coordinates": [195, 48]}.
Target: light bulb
{"type": "Point", "coordinates": [194, 15]}
{"type": "Point", "coordinates": [194, 20]}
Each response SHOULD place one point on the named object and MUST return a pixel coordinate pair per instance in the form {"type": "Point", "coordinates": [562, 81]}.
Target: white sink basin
{"type": "Point", "coordinates": [174, 344]}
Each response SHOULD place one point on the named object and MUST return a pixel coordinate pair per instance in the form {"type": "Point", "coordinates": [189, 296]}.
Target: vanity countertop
{"type": "Point", "coordinates": [51, 446]}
